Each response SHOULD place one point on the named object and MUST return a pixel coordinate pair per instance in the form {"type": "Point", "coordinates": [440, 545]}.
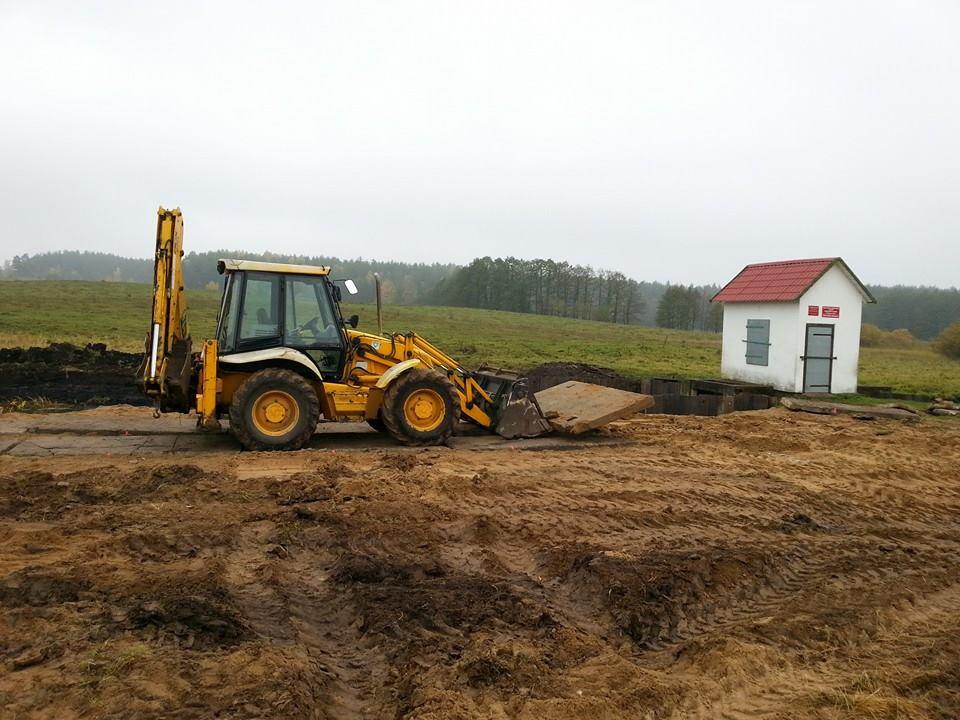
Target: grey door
{"type": "Point", "coordinates": [818, 359]}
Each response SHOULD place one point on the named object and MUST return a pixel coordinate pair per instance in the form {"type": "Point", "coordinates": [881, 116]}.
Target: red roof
{"type": "Point", "coordinates": [782, 281]}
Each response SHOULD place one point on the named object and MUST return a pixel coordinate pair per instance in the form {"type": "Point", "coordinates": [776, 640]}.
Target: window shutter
{"type": "Point", "coordinates": [758, 342]}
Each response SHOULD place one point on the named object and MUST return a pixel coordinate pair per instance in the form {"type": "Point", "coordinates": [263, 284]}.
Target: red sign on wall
{"type": "Point", "coordinates": [831, 312]}
{"type": "Point", "coordinates": [813, 310]}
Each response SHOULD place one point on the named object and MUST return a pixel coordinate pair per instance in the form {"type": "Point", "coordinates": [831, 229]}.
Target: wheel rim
{"type": "Point", "coordinates": [424, 410]}
{"type": "Point", "coordinates": [275, 413]}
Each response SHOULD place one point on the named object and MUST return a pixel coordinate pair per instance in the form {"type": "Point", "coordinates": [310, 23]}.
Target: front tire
{"type": "Point", "coordinates": [274, 410]}
{"type": "Point", "coordinates": [421, 407]}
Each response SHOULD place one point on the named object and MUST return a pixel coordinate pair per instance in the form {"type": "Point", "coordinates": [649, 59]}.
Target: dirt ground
{"type": "Point", "coordinates": [755, 565]}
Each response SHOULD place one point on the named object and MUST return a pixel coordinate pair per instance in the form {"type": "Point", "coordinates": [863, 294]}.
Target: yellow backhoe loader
{"type": "Point", "coordinates": [283, 356]}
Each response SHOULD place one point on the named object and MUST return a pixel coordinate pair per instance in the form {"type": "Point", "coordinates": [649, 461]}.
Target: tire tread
{"type": "Point", "coordinates": [272, 377]}
{"type": "Point", "coordinates": [392, 409]}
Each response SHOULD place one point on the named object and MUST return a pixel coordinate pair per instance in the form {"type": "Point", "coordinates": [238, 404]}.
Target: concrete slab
{"type": "Point", "coordinates": [47, 445]}
{"type": "Point", "coordinates": [123, 433]}
{"type": "Point", "coordinates": [110, 420]}
{"type": "Point", "coordinates": [105, 425]}
{"type": "Point", "coordinates": [29, 449]}
{"type": "Point", "coordinates": [204, 443]}
{"type": "Point", "coordinates": [14, 423]}
{"type": "Point", "coordinates": [576, 407]}
{"type": "Point", "coordinates": [87, 445]}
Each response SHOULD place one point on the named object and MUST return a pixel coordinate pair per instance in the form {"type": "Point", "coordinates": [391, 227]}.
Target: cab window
{"type": "Point", "coordinates": [309, 319]}
{"type": "Point", "coordinates": [227, 325]}
{"type": "Point", "coordinates": [311, 324]}
{"type": "Point", "coordinates": [260, 319]}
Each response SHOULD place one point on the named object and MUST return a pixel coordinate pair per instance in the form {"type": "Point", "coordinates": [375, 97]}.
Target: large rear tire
{"type": "Point", "coordinates": [421, 407]}
{"type": "Point", "coordinates": [274, 410]}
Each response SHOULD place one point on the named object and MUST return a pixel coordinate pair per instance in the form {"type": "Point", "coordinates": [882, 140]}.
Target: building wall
{"type": "Point", "coordinates": [835, 289]}
{"type": "Point", "coordinates": [781, 372]}
{"type": "Point", "coordinates": [788, 327]}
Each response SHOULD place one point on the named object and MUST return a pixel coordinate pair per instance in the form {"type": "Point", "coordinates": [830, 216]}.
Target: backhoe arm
{"type": "Point", "coordinates": [167, 373]}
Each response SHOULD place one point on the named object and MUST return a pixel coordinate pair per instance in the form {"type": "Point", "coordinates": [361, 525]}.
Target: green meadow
{"type": "Point", "coordinates": [118, 314]}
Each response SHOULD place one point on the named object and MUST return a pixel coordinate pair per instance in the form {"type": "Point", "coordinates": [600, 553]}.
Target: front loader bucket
{"type": "Point", "coordinates": [515, 412]}
{"type": "Point", "coordinates": [570, 408]}
{"type": "Point", "coordinates": [521, 418]}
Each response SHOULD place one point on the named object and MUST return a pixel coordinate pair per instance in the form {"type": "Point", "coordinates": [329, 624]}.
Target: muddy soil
{"type": "Point", "coordinates": [762, 565]}
{"type": "Point", "coordinates": [69, 375]}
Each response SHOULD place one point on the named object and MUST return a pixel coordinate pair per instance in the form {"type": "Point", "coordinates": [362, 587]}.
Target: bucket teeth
{"type": "Point", "coordinates": [521, 419]}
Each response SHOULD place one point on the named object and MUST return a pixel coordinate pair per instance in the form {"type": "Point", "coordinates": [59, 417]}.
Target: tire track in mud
{"type": "Point", "coordinates": [770, 687]}
{"type": "Point", "coordinates": [252, 575]}
{"type": "Point", "coordinates": [816, 589]}
{"type": "Point", "coordinates": [838, 560]}
{"type": "Point", "coordinates": [821, 553]}
{"type": "Point", "coordinates": [288, 599]}
{"type": "Point", "coordinates": [326, 626]}
{"type": "Point", "coordinates": [754, 514]}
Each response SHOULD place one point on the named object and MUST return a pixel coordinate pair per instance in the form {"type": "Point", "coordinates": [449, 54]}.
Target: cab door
{"type": "Point", "coordinates": [312, 324]}
{"type": "Point", "coordinates": [259, 321]}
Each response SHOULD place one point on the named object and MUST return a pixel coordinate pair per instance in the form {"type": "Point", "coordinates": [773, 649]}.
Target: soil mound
{"type": "Point", "coordinates": [67, 374]}
{"type": "Point", "coordinates": [548, 375]}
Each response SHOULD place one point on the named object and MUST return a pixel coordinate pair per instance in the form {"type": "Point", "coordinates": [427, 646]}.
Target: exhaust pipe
{"type": "Point", "coordinates": [376, 282]}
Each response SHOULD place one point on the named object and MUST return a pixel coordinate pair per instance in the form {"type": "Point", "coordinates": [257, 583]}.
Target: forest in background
{"type": "Point", "coordinates": [545, 287]}
{"type": "Point", "coordinates": [403, 283]}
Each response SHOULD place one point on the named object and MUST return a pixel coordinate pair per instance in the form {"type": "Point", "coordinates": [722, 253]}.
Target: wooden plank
{"type": "Point", "coordinates": [863, 411]}
{"type": "Point", "coordinates": [751, 401]}
{"type": "Point", "coordinates": [576, 407]}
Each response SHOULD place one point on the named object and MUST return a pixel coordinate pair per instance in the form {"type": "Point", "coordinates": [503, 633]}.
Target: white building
{"type": "Point", "coordinates": [794, 325]}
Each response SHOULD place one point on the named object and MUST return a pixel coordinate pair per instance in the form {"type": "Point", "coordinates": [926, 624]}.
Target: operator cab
{"type": "Point", "coordinates": [266, 306]}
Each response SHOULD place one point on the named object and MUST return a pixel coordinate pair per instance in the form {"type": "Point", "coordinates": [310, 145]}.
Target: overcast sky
{"type": "Point", "coordinates": [669, 140]}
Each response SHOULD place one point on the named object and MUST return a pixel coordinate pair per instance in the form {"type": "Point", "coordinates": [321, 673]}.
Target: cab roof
{"type": "Point", "coordinates": [225, 265]}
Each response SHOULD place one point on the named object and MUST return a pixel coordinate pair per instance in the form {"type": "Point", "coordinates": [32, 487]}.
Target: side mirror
{"type": "Point", "coordinates": [351, 287]}
{"type": "Point", "coordinates": [353, 321]}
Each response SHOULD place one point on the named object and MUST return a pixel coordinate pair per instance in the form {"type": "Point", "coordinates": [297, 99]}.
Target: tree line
{"type": "Point", "coordinates": [689, 308]}
{"type": "Point", "coordinates": [532, 286]}
{"type": "Point", "coordinates": [403, 283]}
{"type": "Point", "coordinates": [548, 287]}
{"type": "Point", "coordinates": [924, 311]}
{"type": "Point", "coordinates": [543, 287]}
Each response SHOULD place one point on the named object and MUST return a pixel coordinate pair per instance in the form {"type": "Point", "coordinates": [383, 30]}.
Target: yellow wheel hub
{"type": "Point", "coordinates": [275, 413]}
{"type": "Point", "coordinates": [424, 410]}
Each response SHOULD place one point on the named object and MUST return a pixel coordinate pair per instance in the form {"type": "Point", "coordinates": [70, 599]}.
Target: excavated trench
{"type": "Point", "coordinates": [68, 375]}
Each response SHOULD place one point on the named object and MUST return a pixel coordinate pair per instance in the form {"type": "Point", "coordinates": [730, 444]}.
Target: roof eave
{"type": "Point", "coordinates": [867, 295]}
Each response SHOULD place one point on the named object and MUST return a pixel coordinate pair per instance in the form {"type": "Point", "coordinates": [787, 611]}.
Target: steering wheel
{"type": "Point", "coordinates": [312, 323]}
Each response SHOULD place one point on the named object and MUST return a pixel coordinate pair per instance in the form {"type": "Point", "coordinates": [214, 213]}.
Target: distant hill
{"type": "Point", "coordinates": [404, 283]}
{"type": "Point", "coordinates": [543, 287]}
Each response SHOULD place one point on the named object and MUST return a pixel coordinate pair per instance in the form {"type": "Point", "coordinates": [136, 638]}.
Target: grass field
{"type": "Point", "coordinates": [118, 314]}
